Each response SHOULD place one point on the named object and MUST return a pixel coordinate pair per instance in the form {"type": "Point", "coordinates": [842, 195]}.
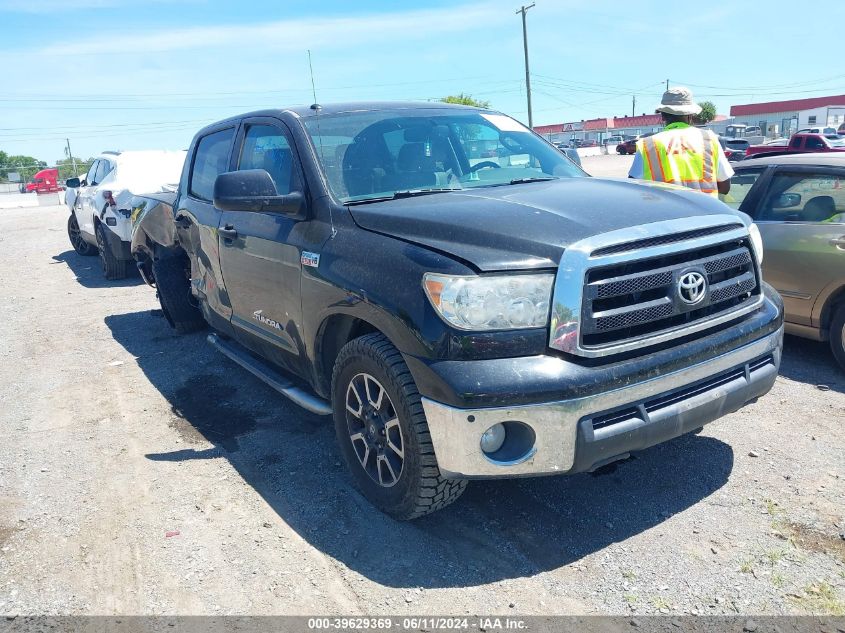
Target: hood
{"type": "Point", "coordinates": [528, 226]}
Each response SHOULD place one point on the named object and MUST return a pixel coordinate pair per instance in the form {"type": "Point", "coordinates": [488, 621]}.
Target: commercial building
{"type": "Point", "coordinates": [599, 129]}
{"type": "Point", "coordinates": [782, 118]}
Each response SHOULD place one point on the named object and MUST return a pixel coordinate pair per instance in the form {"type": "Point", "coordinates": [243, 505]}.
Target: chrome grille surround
{"type": "Point", "coordinates": [568, 320]}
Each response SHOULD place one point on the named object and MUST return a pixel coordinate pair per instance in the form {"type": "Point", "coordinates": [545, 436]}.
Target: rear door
{"type": "Point", "coordinates": [260, 252]}
{"type": "Point", "coordinates": [197, 221]}
{"type": "Point", "coordinates": [801, 216]}
{"type": "Point", "coordinates": [82, 204]}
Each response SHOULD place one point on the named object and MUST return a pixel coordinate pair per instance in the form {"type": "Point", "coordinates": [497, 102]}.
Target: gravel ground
{"type": "Point", "coordinates": [142, 473]}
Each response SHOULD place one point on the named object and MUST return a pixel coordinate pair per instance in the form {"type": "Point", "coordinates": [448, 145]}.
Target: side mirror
{"type": "Point", "coordinates": [786, 201]}
{"type": "Point", "coordinates": [72, 183]}
{"type": "Point", "coordinates": [254, 190]}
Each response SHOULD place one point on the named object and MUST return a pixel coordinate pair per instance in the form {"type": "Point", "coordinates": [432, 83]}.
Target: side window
{"type": "Point", "coordinates": [103, 170]}
{"type": "Point", "coordinates": [795, 143]}
{"type": "Point", "coordinates": [211, 160]}
{"type": "Point", "coordinates": [741, 184]}
{"type": "Point", "coordinates": [266, 147]}
{"type": "Point", "coordinates": [814, 143]}
{"type": "Point", "coordinates": [89, 178]}
{"type": "Point", "coordinates": [804, 197]}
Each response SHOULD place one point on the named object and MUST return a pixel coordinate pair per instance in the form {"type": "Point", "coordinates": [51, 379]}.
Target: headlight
{"type": "Point", "coordinates": [495, 302]}
{"type": "Point", "coordinates": [756, 242]}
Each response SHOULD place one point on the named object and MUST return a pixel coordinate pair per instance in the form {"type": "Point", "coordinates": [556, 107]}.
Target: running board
{"type": "Point", "coordinates": [270, 376]}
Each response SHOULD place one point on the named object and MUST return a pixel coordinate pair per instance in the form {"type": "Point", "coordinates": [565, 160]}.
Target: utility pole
{"type": "Point", "coordinates": [72, 159]}
{"type": "Point", "coordinates": [523, 10]}
{"type": "Point", "coordinates": [634, 105]}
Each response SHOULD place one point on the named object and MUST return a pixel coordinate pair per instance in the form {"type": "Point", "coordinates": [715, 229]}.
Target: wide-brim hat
{"type": "Point", "coordinates": [678, 101]}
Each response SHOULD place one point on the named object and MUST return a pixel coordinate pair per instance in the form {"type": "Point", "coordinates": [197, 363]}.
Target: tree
{"type": "Point", "coordinates": [707, 114]}
{"type": "Point", "coordinates": [26, 166]}
{"type": "Point", "coordinates": [462, 99]}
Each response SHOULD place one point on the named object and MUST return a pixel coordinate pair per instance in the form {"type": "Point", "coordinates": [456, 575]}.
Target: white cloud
{"type": "Point", "coordinates": [302, 33]}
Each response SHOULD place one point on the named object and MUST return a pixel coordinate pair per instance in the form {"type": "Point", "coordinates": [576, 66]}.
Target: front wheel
{"type": "Point", "coordinates": [383, 434]}
{"type": "Point", "coordinates": [837, 336]}
{"type": "Point", "coordinates": [76, 240]}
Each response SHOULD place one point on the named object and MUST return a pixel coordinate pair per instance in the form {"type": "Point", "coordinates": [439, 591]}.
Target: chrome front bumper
{"type": "Point", "coordinates": [564, 435]}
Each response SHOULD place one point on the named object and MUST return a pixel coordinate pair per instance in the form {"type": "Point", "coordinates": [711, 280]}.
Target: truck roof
{"type": "Point", "coordinates": [308, 111]}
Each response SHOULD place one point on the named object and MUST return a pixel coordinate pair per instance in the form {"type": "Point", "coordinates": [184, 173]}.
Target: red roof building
{"type": "Point", "coordinates": [792, 105]}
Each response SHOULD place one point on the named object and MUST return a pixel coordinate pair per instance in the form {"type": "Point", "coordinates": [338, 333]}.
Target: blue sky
{"type": "Point", "coordinates": [143, 74]}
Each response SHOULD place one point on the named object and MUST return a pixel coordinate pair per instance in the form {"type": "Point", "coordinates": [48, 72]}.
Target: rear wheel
{"type": "Point", "coordinates": [113, 268]}
{"type": "Point", "coordinates": [837, 336]}
{"type": "Point", "coordinates": [383, 434]}
{"type": "Point", "coordinates": [76, 240]}
{"type": "Point", "coordinates": [172, 279]}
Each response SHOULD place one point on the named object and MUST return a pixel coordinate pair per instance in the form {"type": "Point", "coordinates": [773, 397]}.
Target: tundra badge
{"type": "Point", "coordinates": [263, 319]}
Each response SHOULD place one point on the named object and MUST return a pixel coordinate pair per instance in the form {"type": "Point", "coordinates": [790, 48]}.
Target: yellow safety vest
{"type": "Point", "coordinates": [682, 155]}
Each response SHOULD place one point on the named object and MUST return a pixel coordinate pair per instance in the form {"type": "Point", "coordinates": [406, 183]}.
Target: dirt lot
{"type": "Point", "coordinates": [142, 473]}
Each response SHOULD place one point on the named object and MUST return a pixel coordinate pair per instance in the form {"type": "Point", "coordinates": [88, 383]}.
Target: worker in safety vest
{"type": "Point", "coordinates": [682, 154]}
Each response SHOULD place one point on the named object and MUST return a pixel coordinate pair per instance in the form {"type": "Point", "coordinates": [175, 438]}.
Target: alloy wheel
{"type": "Point", "coordinates": [76, 236]}
{"type": "Point", "coordinates": [374, 430]}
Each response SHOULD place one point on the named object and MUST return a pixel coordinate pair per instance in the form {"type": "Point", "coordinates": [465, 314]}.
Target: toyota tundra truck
{"type": "Point", "coordinates": [463, 299]}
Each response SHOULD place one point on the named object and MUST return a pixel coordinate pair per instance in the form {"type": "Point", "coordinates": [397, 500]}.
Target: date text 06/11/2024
{"type": "Point", "coordinates": [411, 623]}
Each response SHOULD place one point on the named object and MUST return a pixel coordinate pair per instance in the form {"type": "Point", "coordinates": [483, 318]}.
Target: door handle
{"type": "Point", "coordinates": [228, 232]}
{"type": "Point", "coordinates": [838, 242]}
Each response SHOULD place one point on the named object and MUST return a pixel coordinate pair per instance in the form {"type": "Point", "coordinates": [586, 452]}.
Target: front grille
{"type": "Point", "coordinates": [640, 298]}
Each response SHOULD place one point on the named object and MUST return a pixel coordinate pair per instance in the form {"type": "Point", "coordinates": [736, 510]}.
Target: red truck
{"type": "Point", "coordinates": [44, 181]}
{"type": "Point", "coordinates": [801, 143]}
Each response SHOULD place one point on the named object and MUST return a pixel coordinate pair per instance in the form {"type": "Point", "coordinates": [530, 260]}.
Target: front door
{"type": "Point", "coordinates": [260, 252]}
{"type": "Point", "coordinates": [82, 203]}
{"type": "Point", "coordinates": [802, 221]}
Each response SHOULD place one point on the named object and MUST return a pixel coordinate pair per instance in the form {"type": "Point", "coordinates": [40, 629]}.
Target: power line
{"type": "Point", "coordinates": [208, 94]}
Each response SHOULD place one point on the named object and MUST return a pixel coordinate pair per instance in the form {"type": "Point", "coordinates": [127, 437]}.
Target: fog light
{"type": "Point", "coordinates": [493, 438]}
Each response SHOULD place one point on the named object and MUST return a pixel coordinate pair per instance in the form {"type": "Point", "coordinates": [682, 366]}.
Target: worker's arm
{"type": "Point", "coordinates": [636, 170]}
{"type": "Point", "coordinates": [724, 172]}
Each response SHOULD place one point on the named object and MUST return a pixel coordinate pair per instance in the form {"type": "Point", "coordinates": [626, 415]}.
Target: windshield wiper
{"type": "Point", "coordinates": [410, 193]}
{"type": "Point", "coordinates": [405, 193]}
{"type": "Point", "coordinates": [519, 181]}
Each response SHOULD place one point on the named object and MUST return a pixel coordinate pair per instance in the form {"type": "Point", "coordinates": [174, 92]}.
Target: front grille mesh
{"type": "Point", "coordinates": [639, 298]}
{"type": "Point", "coordinates": [636, 284]}
{"type": "Point", "coordinates": [633, 317]}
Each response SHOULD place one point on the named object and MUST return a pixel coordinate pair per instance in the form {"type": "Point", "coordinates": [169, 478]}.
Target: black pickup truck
{"type": "Point", "coordinates": [462, 298]}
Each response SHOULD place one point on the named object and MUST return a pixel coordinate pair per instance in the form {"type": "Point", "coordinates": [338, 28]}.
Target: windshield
{"type": "Point", "coordinates": [375, 155]}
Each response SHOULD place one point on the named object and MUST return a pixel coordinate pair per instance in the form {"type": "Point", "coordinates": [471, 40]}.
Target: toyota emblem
{"type": "Point", "coordinates": [692, 287]}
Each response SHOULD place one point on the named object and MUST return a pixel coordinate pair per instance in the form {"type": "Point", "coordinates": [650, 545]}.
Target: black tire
{"type": "Point", "coordinates": [419, 488]}
{"type": "Point", "coordinates": [113, 268]}
{"type": "Point", "coordinates": [837, 336]}
{"type": "Point", "coordinates": [174, 294]}
{"type": "Point", "coordinates": [76, 240]}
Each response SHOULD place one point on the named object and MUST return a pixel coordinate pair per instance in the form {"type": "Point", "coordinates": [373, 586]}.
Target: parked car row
{"type": "Point", "coordinates": [99, 202]}
{"type": "Point", "coordinates": [460, 317]}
